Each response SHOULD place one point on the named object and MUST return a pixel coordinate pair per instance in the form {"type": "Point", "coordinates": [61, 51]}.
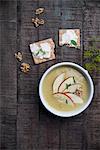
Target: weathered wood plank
{"type": "Point", "coordinates": [28, 106]}
{"type": "Point", "coordinates": [72, 134]}
{"type": "Point", "coordinates": [49, 124]}
{"type": "Point", "coordinates": [8, 63]}
{"type": "Point", "coordinates": [7, 10]}
{"type": "Point", "coordinates": [65, 3]}
{"type": "Point", "coordinates": [28, 127]}
{"type": "Point", "coordinates": [8, 75]}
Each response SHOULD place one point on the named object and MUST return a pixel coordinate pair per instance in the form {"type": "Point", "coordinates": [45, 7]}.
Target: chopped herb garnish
{"type": "Point", "coordinates": [67, 85]}
{"type": "Point", "coordinates": [40, 50]}
{"type": "Point", "coordinates": [43, 52]}
{"type": "Point", "coordinates": [37, 53]}
{"type": "Point", "coordinates": [73, 42]}
{"type": "Point", "coordinates": [66, 101]}
{"type": "Point", "coordinates": [74, 80]}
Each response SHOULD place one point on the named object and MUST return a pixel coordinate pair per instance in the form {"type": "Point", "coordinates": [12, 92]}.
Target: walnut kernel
{"type": "Point", "coordinates": [39, 11]}
{"type": "Point", "coordinates": [18, 56]}
{"type": "Point", "coordinates": [25, 67]}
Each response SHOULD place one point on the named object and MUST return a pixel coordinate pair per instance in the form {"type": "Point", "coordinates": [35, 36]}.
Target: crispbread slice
{"type": "Point", "coordinates": [63, 31]}
{"type": "Point", "coordinates": [52, 51]}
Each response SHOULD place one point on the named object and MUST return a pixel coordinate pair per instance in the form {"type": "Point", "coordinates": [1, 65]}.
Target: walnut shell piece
{"type": "Point", "coordinates": [18, 56]}
{"type": "Point", "coordinates": [41, 21]}
{"type": "Point", "coordinates": [39, 11]}
{"type": "Point", "coordinates": [25, 67]}
{"type": "Point", "coordinates": [37, 21]}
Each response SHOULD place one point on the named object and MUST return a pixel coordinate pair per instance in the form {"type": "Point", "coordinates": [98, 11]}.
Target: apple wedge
{"type": "Point", "coordinates": [76, 99]}
{"type": "Point", "coordinates": [62, 97]}
{"type": "Point", "coordinates": [59, 79]}
{"type": "Point", "coordinates": [68, 81]}
{"type": "Point", "coordinates": [72, 88]}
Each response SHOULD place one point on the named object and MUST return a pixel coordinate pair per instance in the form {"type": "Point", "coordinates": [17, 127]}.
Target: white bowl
{"type": "Point", "coordinates": [74, 112]}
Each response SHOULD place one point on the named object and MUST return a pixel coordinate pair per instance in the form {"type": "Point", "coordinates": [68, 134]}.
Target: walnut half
{"type": "Point", "coordinates": [39, 11]}
{"type": "Point", "coordinates": [25, 67]}
{"type": "Point", "coordinates": [37, 22]}
{"type": "Point", "coordinates": [18, 56]}
{"type": "Point", "coordinates": [41, 21]}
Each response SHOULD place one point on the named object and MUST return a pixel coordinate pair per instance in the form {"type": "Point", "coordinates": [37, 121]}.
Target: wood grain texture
{"type": "Point", "coordinates": [24, 122]}
{"type": "Point", "coordinates": [8, 75]}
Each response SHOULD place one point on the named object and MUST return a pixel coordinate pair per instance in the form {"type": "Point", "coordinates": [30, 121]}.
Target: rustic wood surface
{"type": "Point", "coordinates": [24, 122]}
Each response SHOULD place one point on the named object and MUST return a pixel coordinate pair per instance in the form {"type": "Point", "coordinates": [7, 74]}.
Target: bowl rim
{"type": "Point", "coordinates": [70, 113]}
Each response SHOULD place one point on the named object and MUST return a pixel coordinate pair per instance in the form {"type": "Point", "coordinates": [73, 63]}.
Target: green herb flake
{"type": "Point", "coordinates": [37, 53]}
{"type": "Point", "coordinates": [73, 42]}
{"type": "Point", "coordinates": [67, 85]}
{"type": "Point", "coordinates": [42, 51]}
{"type": "Point", "coordinates": [66, 101]}
{"type": "Point", "coordinates": [74, 79]}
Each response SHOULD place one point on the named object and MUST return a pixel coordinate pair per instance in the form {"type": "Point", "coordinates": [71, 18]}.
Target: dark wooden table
{"type": "Point", "coordinates": [24, 122]}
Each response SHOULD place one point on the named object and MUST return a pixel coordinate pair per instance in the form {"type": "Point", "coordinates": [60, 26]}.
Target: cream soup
{"type": "Point", "coordinates": [64, 88]}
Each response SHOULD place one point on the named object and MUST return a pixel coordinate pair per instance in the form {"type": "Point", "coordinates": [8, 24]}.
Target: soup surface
{"type": "Point", "coordinates": [65, 89]}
